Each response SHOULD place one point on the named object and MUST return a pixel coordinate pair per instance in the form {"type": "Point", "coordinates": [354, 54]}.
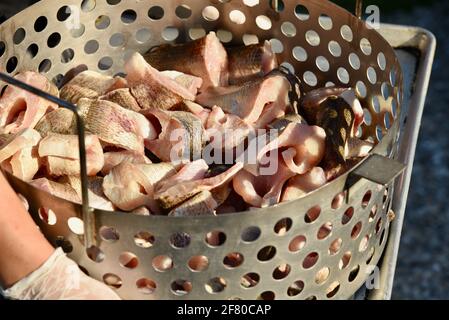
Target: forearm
{"type": "Point", "coordinates": [23, 248]}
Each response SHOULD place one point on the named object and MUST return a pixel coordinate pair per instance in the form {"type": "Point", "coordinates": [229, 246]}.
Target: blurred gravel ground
{"type": "Point", "coordinates": [423, 264]}
{"type": "Point", "coordinates": [423, 267]}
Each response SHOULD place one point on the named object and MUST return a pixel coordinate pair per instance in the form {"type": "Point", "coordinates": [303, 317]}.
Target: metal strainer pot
{"type": "Point", "coordinates": [306, 249]}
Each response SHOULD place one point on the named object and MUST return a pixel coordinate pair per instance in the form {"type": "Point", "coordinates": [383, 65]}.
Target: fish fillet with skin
{"type": "Point", "coordinates": [89, 84]}
{"type": "Point", "coordinates": [129, 186]}
{"type": "Point", "coordinates": [113, 159]}
{"type": "Point", "coordinates": [249, 62]}
{"type": "Point", "coordinates": [20, 109]}
{"type": "Point", "coordinates": [25, 163]}
{"type": "Point", "coordinates": [301, 146]}
{"type": "Point", "coordinates": [174, 191]}
{"type": "Point", "coordinates": [263, 190]}
{"type": "Point", "coordinates": [150, 88]}
{"type": "Point", "coordinates": [123, 98]}
{"type": "Point", "coordinates": [13, 143]}
{"type": "Point", "coordinates": [203, 204]}
{"type": "Point", "coordinates": [195, 108]}
{"type": "Point", "coordinates": [205, 58]}
{"type": "Point", "coordinates": [248, 100]}
{"type": "Point", "coordinates": [61, 153]}
{"type": "Point", "coordinates": [180, 138]}
{"type": "Point", "coordinates": [191, 83]}
{"type": "Point", "coordinates": [115, 125]}
{"type": "Point", "coordinates": [60, 190]}
{"type": "Point", "coordinates": [300, 185]}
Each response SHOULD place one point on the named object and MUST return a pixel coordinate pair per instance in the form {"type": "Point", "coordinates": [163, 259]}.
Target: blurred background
{"type": "Point", "coordinates": [423, 263]}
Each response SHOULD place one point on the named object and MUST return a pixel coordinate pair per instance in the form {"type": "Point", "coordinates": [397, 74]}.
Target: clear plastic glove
{"type": "Point", "coordinates": [59, 278]}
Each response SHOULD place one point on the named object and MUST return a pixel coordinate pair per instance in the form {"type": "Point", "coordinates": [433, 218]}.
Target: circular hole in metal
{"type": "Point", "coordinates": [237, 16]}
{"type": "Point", "coordinates": [263, 22]}
{"type": "Point", "coordinates": [364, 243]}
{"type": "Point", "coordinates": [183, 11]}
{"type": "Point", "coordinates": [180, 240]}
{"type": "Point", "coordinates": [11, 65]}
{"type": "Point", "coordinates": [379, 225]}
{"type": "Point", "coordinates": [361, 89]}
{"type": "Point", "coordinates": [310, 260]}
{"type": "Point", "coordinates": [277, 46]}
{"type": "Point", "coordinates": [251, 234]}
{"type": "Point", "coordinates": [64, 244]}
{"type": "Point", "coordinates": [266, 295]}
{"type": "Point", "coordinates": [385, 89]}
{"type": "Point", "coordinates": [53, 40]}
{"type": "Point", "coordinates": [197, 33]}
{"type": "Point", "coordinates": [382, 237]}
{"type": "Point", "coordinates": [144, 239]}
{"type": "Point", "coordinates": [367, 117]}
{"type": "Point", "coordinates": [313, 38]}
{"type": "Point", "coordinates": [198, 263]}
{"type": "Point", "coordinates": [67, 55]}
{"type": "Point", "coordinates": [77, 31]}
{"type": "Point", "coordinates": [338, 200]}
{"type": "Point", "coordinates": [376, 104]}
{"type": "Point", "coordinates": [84, 270]}
{"type": "Point", "coordinates": [266, 253]}
{"type": "Point", "coordinates": [117, 40]}
{"type": "Point", "coordinates": [102, 22]}
{"type": "Point", "coordinates": [347, 216]}
{"type": "Point", "coordinates": [128, 260]}
{"type": "Point", "coordinates": [302, 13]}
{"type": "Point", "coordinates": [181, 287]}
{"type": "Point", "coordinates": [343, 75]}
{"type": "Point", "coordinates": [356, 230]}
{"type": "Point", "coordinates": [335, 246]}
{"type": "Point", "coordinates": [296, 288]}
{"type": "Point", "coordinates": [297, 244]}
{"type": "Point", "coordinates": [128, 16]}
{"type": "Point", "coordinates": [354, 273]}
{"type": "Point", "coordinates": [19, 36]}
{"type": "Point", "coordinates": [170, 33]}
{"type": "Point", "coordinates": [22, 198]}
{"type": "Point", "coordinates": [365, 45]}
{"type": "Point", "coordinates": [225, 36]}
{"type": "Point", "coordinates": [40, 24]}
{"type": "Point", "coordinates": [113, 2]}
{"type": "Point", "coordinates": [345, 259]}
{"type": "Point", "coordinates": [76, 225]}
{"type": "Point", "coordinates": [215, 238]}
{"type": "Point", "coordinates": [249, 39]}
{"type": "Point", "coordinates": [2, 48]}
{"type": "Point", "coordinates": [250, 280]}
{"type": "Point", "coordinates": [57, 80]}
{"type": "Point", "coordinates": [371, 75]}
{"type": "Point", "coordinates": [373, 213]}
{"type": "Point", "coordinates": [215, 285]}
{"type": "Point", "coordinates": [346, 33]}
{"type": "Point", "coordinates": [249, 3]}
{"type": "Point", "coordinates": [289, 66]}
{"type": "Point", "coordinates": [156, 13]}
{"type": "Point", "coordinates": [366, 199]}
{"type": "Point", "coordinates": [88, 5]}
{"type": "Point", "coordinates": [146, 286]}
{"type": "Point", "coordinates": [288, 29]}
{"type": "Point", "coordinates": [95, 254]}
{"type": "Point", "coordinates": [322, 63]}
{"type": "Point", "coordinates": [324, 231]}
{"type": "Point", "coordinates": [371, 255]}
{"type": "Point", "coordinates": [281, 272]}
{"type": "Point", "coordinates": [162, 263]}
{"type": "Point", "coordinates": [277, 5]}
{"type": "Point", "coordinates": [310, 78]}
{"type": "Point", "coordinates": [382, 61]}
{"type": "Point", "coordinates": [354, 61]}
{"type": "Point", "coordinates": [210, 13]}
{"type": "Point", "coordinates": [334, 48]}
{"type": "Point", "coordinates": [300, 54]}
{"type": "Point", "coordinates": [233, 260]}
{"type": "Point", "coordinates": [379, 133]}
{"type": "Point", "coordinates": [63, 13]}
{"type": "Point", "coordinates": [322, 275]}
{"type": "Point", "coordinates": [387, 121]}
{"type": "Point", "coordinates": [105, 63]}
{"type": "Point", "coordinates": [283, 226]}
{"type": "Point", "coordinates": [325, 22]}
{"type": "Point", "coordinates": [91, 46]}
{"type": "Point", "coordinates": [313, 214]}
{"type": "Point", "coordinates": [112, 280]}
{"type": "Point", "coordinates": [47, 216]}
{"type": "Point", "coordinates": [332, 290]}
{"type": "Point", "coordinates": [109, 234]}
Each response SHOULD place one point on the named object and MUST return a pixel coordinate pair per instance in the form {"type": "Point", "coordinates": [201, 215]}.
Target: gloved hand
{"type": "Point", "coordinates": [59, 278]}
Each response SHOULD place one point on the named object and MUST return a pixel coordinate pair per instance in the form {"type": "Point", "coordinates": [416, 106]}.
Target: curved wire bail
{"type": "Point", "coordinates": [87, 213]}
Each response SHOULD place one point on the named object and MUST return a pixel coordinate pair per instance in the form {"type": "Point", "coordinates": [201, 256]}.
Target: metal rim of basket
{"type": "Point", "coordinates": [389, 139]}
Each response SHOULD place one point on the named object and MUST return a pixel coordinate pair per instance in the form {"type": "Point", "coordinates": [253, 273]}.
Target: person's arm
{"type": "Point", "coordinates": [23, 248]}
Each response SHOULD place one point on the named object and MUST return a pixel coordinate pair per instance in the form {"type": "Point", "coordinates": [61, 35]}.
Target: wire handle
{"type": "Point", "coordinates": [359, 8]}
{"type": "Point", "coordinates": [87, 213]}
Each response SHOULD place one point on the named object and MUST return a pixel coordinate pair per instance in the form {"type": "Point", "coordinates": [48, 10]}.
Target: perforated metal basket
{"type": "Point", "coordinates": [282, 251]}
